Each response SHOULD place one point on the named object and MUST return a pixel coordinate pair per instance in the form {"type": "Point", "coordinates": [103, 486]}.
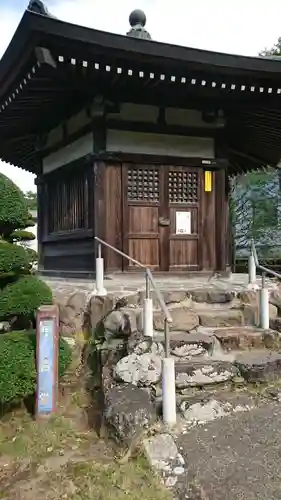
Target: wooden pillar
{"type": "Point", "coordinates": [41, 207]}
{"type": "Point", "coordinates": [99, 203]}
{"type": "Point", "coordinates": [221, 224]}
{"type": "Point", "coordinates": [207, 244]}
{"type": "Point", "coordinates": [231, 228]}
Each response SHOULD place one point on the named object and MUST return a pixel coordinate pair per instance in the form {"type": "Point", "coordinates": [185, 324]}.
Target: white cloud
{"type": "Point", "coordinates": [237, 26]}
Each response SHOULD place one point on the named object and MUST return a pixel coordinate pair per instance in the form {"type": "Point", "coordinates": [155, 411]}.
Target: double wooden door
{"type": "Point", "coordinates": [161, 206]}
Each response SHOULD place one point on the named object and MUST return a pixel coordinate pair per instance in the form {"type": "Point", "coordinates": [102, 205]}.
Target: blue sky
{"type": "Point", "coordinates": [234, 26]}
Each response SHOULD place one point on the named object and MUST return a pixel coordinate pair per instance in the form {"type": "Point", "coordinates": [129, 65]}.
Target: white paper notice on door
{"type": "Point", "coordinates": [183, 222]}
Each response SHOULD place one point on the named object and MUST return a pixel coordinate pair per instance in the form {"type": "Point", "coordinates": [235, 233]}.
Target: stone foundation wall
{"type": "Point", "coordinates": [211, 334]}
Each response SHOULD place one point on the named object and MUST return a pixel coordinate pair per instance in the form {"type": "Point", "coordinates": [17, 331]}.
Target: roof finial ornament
{"type": "Point", "coordinates": [38, 7]}
{"type": "Point", "coordinates": [137, 20]}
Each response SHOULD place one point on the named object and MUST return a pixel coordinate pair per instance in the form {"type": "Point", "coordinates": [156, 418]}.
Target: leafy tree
{"type": "Point", "coordinates": [255, 201]}
{"type": "Point", "coordinates": [31, 199]}
{"type": "Point", "coordinates": [274, 51]}
{"type": "Point", "coordinates": [20, 292]}
{"type": "Point", "coordinates": [255, 208]}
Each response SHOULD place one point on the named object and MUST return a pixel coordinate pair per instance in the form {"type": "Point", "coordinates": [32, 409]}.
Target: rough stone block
{"type": "Point", "coordinates": [134, 369]}
{"type": "Point", "coordinates": [211, 296]}
{"type": "Point", "coordinates": [217, 318]}
{"type": "Point", "coordinates": [71, 312]}
{"type": "Point", "coordinates": [261, 365]}
{"type": "Point", "coordinates": [275, 324]}
{"type": "Point", "coordinates": [248, 296]}
{"type": "Point", "coordinates": [97, 308]}
{"type": "Point", "coordinates": [169, 297]}
{"type": "Point", "coordinates": [178, 339]}
{"type": "Point", "coordinates": [120, 322]}
{"type": "Point", "coordinates": [138, 344]}
{"type": "Point", "coordinates": [127, 411]}
{"type": "Point", "coordinates": [211, 407]}
{"type": "Point", "coordinates": [183, 318]}
{"type": "Point", "coordinates": [275, 299]}
{"type": "Point", "coordinates": [112, 351]}
{"type": "Point", "coordinates": [196, 373]}
{"type": "Point", "coordinates": [251, 313]}
{"type": "Point", "coordinates": [243, 337]}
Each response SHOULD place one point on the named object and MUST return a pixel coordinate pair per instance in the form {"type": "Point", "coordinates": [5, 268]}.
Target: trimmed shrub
{"type": "Point", "coordinates": [13, 258]}
{"type": "Point", "coordinates": [32, 255]}
{"type": "Point", "coordinates": [23, 297]}
{"type": "Point", "coordinates": [13, 207]}
{"type": "Point", "coordinates": [21, 235]}
{"type": "Point", "coordinates": [18, 365]}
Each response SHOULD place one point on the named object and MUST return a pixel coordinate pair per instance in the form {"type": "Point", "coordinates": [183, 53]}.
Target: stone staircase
{"type": "Point", "coordinates": [220, 353]}
{"type": "Point", "coordinates": [214, 340]}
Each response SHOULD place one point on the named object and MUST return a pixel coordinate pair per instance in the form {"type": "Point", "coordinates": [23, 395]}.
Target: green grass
{"type": "Point", "coordinates": [97, 481]}
{"type": "Point", "coordinates": [52, 460]}
{"type": "Point", "coordinates": [25, 438]}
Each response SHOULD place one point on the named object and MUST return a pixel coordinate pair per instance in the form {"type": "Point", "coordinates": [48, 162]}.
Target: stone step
{"type": "Point", "coordinates": [185, 318]}
{"type": "Point", "coordinates": [259, 365]}
{"type": "Point", "coordinates": [246, 337]}
{"type": "Point", "coordinates": [217, 343]}
{"type": "Point", "coordinates": [217, 318]}
{"type": "Point", "coordinates": [201, 372]}
{"type": "Point", "coordinates": [179, 339]}
{"type": "Point", "coordinates": [207, 295]}
{"type": "Point", "coordinates": [204, 406]}
{"type": "Point", "coordinates": [210, 295]}
{"type": "Point", "coordinates": [229, 338]}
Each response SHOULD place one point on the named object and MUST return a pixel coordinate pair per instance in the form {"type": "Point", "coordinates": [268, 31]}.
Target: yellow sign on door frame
{"type": "Point", "coordinates": [208, 181]}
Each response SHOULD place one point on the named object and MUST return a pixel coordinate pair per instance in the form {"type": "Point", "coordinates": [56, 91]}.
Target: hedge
{"type": "Point", "coordinates": [23, 297]}
{"type": "Point", "coordinates": [13, 207]}
{"type": "Point", "coordinates": [18, 365]}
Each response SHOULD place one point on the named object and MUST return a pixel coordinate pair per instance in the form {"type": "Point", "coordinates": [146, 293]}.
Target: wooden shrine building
{"type": "Point", "coordinates": [133, 141]}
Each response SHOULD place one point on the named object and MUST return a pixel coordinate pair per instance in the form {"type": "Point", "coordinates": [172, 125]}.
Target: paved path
{"type": "Point", "coordinates": [122, 282]}
{"type": "Point", "coordinates": [237, 457]}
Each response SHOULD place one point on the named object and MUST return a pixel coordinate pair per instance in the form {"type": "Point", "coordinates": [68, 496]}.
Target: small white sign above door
{"type": "Point", "coordinates": [183, 222]}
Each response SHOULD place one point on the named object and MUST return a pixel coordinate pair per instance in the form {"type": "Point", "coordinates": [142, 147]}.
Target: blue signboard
{"type": "Point", "coordinates": [46, 367]}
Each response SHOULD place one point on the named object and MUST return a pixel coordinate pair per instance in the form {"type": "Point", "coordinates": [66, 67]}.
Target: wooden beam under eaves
{"type": "Point", "coordinates": [251, 158]}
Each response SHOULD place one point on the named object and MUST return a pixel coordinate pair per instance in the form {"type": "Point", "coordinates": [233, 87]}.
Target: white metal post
{"type": "Point", "coordinates": [264, 305]}
{"type": "Point", "coordinates": [252, 271]}
{"type": "Point", "coordinates": [100, 289]}
{"type": "Point", "coordinates": [147, 310]}
{"type": "Point", "coordinates": [169, 391]}
{"type": "Point", "coordinates": [168, 383]}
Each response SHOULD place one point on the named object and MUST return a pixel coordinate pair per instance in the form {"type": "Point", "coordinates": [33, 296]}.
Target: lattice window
{"type": "Point", "coordinates": [68, 203]}
{"type": "Point", "coordinates": [143, 184]}
{"type": "Point", "coordinates": [183, 187]}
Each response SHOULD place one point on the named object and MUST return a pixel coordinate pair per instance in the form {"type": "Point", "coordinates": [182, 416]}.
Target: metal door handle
{"type": "Point", "coordinates": [163, 221]}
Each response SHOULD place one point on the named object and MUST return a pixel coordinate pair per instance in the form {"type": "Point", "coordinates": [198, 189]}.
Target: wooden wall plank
{"type": "Point", "coordinates": [113, 215]}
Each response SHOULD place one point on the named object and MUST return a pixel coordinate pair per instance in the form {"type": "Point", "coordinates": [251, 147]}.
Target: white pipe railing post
{"type": "Point", "coordinates": [252, 273]}
{"type": "Point", "coordinates": [168, 363]}
{"type": "Point", "coordinates": [100, 289]}
{"type": "Point", "coordinates": [252, 270]}
{"type": "Point", "coordinates": [168, 383]}
{"type": "Point", "coordinates": [264, 305]}
{"type": "Point", "coordinates": [147, 310]}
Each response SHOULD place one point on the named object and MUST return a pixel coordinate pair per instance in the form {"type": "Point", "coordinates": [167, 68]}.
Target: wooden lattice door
{"type": "Point", "coordinates": [184, 215]}
{"type": "Point", "coordinates": [161, 216]}
{"type": "Point", "coordinates": [142, 209]}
